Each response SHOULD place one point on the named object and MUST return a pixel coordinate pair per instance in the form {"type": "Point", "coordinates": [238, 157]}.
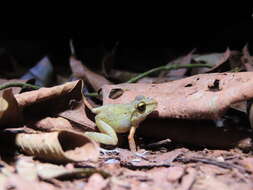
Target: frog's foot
{"type": "Point", "coordinates": [102, 138]}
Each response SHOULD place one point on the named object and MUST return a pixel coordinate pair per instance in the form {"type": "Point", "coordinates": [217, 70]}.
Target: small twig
{"type": "Point", "coordinates": [212, 162]}
{"type": "Point", "coordinates": [168, 68]}
{"type": "Point", "coordinates": [91, 94]}
{"type": "Point", "coordinates": [19, 84]}
{"type": "Point", "coordinates": [158, 144]}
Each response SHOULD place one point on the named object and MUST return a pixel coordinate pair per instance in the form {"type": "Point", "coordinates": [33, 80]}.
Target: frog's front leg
{"type": "Point", "coordinates": [107, 136]}
{"type": "Point", "coordinates": [131, 141]}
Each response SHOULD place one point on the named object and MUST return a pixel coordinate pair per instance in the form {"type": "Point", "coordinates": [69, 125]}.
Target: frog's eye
{"type": "Point", "coordinates": [141, 107]}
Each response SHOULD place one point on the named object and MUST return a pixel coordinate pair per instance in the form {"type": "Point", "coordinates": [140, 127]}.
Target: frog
{"type": "Point", "coordinates": [111, 119]}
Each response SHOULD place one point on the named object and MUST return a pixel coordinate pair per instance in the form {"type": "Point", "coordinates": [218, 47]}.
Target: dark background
{"type": "Point", "coordinates": [153, 45]}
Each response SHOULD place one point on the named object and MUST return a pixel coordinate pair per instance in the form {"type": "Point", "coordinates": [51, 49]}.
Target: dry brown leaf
{"type": "Point", "coordinates": [43, 94]}
{"type": "Point", "coordinates": [59, 146]}
{"type": "Point", "coordinates": [10, 113]}
{"type": "Point", "coordinates": [204, 96]}
{"type": "Point", "coordinates": [52, 124]}
{"type": "Point", "coordinates": [82, 72]}
{"type": "Point", "coordinates": [78, 116]}
{"type": "Point", "coordinates": [65, 100]}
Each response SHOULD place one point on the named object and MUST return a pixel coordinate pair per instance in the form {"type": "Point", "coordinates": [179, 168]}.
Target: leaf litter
{"type": "Point", "coordinates": [190, 142]}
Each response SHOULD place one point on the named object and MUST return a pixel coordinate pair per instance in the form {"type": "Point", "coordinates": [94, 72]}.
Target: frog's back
{"type": "Point", "coordinates": [118, 116]}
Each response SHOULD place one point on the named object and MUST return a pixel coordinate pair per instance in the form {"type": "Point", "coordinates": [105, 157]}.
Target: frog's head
{"type": "Point", "coordinates": [143, 106]}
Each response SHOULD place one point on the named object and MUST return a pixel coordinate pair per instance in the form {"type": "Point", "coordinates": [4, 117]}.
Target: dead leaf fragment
{"type": "Point", "coordinates": [59, 146]}
{"type": "Point", "coordinates": [82, 72]}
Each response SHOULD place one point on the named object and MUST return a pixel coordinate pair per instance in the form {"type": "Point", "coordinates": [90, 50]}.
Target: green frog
{"type": "Point", "coordinates": [121, 118]}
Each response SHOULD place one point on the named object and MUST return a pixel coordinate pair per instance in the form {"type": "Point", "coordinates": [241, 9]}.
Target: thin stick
{"type": "Point", "coordinates": [168, 68]}
{"type": "Point", "coordinates": [19, 84]}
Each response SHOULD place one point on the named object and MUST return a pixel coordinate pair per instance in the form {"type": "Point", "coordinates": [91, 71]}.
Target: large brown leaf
{"type": "Point", "coordinates": [203, 96]}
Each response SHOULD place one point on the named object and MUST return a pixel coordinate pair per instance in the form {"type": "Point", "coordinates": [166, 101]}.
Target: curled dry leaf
{"type": "Point", "coordinates": [43, 94]}
{"type": "Point", "coordinates": [203, 96]}
{"type": "Point", "coordinates": [10, 113]}
{"type": "Point", "coordinates": [82, 72]}
{"type": "Point", "coordinates": [65, 100]}
{"type": "Point", "coordinates": [59, 146]}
